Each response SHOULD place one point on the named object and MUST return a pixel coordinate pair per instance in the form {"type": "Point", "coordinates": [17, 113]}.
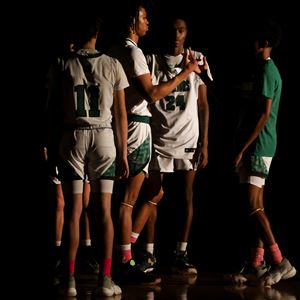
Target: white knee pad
{"type": "Point", "coordinates": [77, 186]}
{"type": "Point", "coordinates": [102, 186]}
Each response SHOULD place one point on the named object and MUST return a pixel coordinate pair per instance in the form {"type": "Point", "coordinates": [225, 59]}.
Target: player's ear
{"type": "Point", "coordinates": [132, 24]}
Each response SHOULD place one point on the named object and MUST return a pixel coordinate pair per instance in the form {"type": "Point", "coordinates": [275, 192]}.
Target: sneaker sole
{"type": "Point", "coordinates": [72, 292]}
{"type": "Point", "coordinates": [183, 279]}
{"type": "Point", "coordinates": [239, 279]}
{"type": "Point", "coordinates": [184, 272]}
{"type": "Point", "coordinates": [155, 282]}
{"type": "Point", "coordinates": [104, 292]}
{"type": "Point", "coordinates": [148, 270]}
{"type": "Point", "coordinates": [291, 273]}
{"type": "Point", "coordinates": [271, 281]}
{"type": "Point", "coordinates": [67, 292]}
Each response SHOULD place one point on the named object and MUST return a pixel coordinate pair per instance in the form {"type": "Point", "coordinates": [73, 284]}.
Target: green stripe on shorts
{"type": "Point", "coordinates": [137, 118]}
{"type": "Point", "coordinates": [110, 172]}
{"type": "Point", "coordinates": [139, 158]}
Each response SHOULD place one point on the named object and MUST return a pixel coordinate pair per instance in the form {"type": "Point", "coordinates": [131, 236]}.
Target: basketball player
{"type": "Point", "coordinates": [178, 143]}
{"type": "Point", "coordinates": [92, 93]}
{"type": "Point", "coordinates": [139, 95]}
{"type": "Point", "coordinates": [256, 147]}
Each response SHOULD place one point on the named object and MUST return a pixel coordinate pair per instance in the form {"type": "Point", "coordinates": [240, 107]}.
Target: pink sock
{"type": "Point", "coordinates": [126, 255]}
{"type": "Point", "coordinates": [134, 237]}
{"type": "Point", "coordinates": [72, 266]}
{"type": "Point", "coordinates": [107, 266]}
{"type": "Point", "coordinates": [275, 253]}
{"type": "Point", "coordinates": [257, 256]}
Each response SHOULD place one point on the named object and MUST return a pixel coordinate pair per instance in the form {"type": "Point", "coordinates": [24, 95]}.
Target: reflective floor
{"type": "Point", "coordinates": [204, 286]}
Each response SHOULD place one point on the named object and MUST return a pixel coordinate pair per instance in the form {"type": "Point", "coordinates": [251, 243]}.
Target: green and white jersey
{"type": "Point", "coordinates": [135, 101]}
{"type": "Point", "coordinates": [89, 80]}
{"type": "Point", "coordinates": [175, 120]}
{"type": "Point", "coordinates": [139, 146]}
{"type": "Point", "coordinates": [134, 63]}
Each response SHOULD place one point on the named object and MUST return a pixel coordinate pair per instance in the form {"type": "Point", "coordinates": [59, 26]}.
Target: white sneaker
{"type": "Point", "coordinates": [107, 287]}
{"type": "Point", "coordinates": [284, 270]}
{"type": "Point", "coordinates": [69, 288]}
{"type": "Point", "coordinates": [249, 273]}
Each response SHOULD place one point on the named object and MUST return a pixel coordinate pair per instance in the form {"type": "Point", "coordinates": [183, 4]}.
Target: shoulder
{"type": "Point", "coordinates": [56, 67]}
{"type": "Point", "coordinates": [58, 63]}
{"type": "Point", "coordinates": [109, 58]}
{"type": "Point", "coordinates": [112, 62]}
{"type": "Point", "coordinates": [136, 51]}
{"type": "Point", "coordinates": [270, 68]}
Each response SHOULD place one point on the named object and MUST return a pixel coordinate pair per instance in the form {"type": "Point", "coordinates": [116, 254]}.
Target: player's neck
{"type": "Point", "coordinates": [134, 37]}
{"type": "Point", "coordinates": [178, 50]}
{"type": "Point", "coordinates": [91, 44]}
{"type": "Point", "coordinates": [266, 53]}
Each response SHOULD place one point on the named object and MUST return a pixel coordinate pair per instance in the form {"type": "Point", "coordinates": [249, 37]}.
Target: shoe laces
{"type": "Point", "coordinates": [182, 258]}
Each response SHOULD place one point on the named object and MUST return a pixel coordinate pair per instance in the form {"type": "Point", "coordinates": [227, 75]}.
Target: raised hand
{"type": "Point", "coordinates": [204, 65]}
{"type": "Point", "coordinates": [191, 62]}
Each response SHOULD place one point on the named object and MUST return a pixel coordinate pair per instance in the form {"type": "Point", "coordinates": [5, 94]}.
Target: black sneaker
{"type": "Point", "coordinates": [90, 266]}
{"type": "Point", "coordinates": [87, 262]}
{"type": "Point", "coordinates": [146, 262]}
{"type": "Point", "coordinates": [129, 273]}
{"type": "Point", "coordinates": [181, 264]}
{"type": "Point", "coordinates": [57, 266]}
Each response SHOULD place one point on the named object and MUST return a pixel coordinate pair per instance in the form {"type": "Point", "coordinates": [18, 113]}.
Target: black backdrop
{"type": "Point", "coordinates": [217, 238]}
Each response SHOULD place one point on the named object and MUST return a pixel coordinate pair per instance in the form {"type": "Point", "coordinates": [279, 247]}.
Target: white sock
{"type": "Point", "coordinates": [181, 246]}
{"type": "Point", "coordinates": [87, 243]}
{"type": "Point", "coordinates": [149, 247]}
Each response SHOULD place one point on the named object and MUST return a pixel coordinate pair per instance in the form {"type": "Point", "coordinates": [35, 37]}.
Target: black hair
{"type": "Point", "coordinates": [85, 28]}
{"type": "Point", "coordinates": [130, 11]}
{"type": "Point", "coordinates": [269, 30]}
{"type": "Point", "coordinates": [167, 29]}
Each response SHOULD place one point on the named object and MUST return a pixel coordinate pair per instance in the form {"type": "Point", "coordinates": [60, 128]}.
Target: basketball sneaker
{"type": "Point", "coordinates": [146, 262]}
{"type": "Point", "coordinates": [69, 287]}
{"type": "Point", "coordinates": [284, 270]}
{"type": "Point", "coordinates": [107, 287]}
{"type": "Point", "coordinates": [129, 273]}
{"type": "Point", "coordinates": [181, 264]}
{"type": "Point", "coordinates": [249, 273]}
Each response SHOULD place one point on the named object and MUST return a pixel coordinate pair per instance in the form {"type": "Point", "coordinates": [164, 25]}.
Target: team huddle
{"type": "Point", "coordinates": [121, 121]}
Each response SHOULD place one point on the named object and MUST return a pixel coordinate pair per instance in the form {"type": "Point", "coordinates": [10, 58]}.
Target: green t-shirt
{"type": "Point", "coordinates": [270, 87]}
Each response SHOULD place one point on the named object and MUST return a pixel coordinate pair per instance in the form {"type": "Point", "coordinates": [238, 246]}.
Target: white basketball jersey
{"type": "Point", "coordinates": [134, 63]}
{"type": "Point", "coordinates": [175, 121]}
{"type": "Point", "coordinates": [89, 80]}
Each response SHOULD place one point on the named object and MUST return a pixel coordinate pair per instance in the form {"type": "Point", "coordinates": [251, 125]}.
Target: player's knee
{"type": "Point", "coordinates": [85, 209]}
{"type": "Point", "coordinates": [160, 194]}
{"type": "Point", "coordinates": [60, 205]}
{"type": "Point", "coordinates": [256, 210]}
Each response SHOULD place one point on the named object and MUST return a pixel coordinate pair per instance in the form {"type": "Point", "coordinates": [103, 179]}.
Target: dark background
{"type": "Point", "coordinates": [218, 30]}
